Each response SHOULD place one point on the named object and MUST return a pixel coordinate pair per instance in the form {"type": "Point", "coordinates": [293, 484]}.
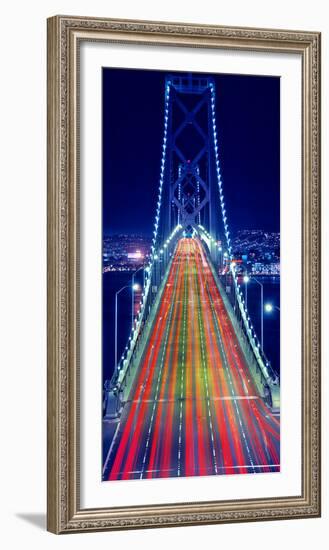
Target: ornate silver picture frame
{"type": "Point", "coordinates": [66, 35]}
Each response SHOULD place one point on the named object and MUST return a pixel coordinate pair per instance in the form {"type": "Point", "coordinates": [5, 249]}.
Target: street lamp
{"type": "Point", "coordinates": [246, 280]}
{"type": "Point", "coordinates": [135, 287]}
{"type": "Point", "coordinates": [232, 269]}
{"type": "Point", "coordinates": [261, 311]}
{"type": "Point", "coordinates": [220, 257]}
{"type": "Point", "coordinates": [157, 270]}
{"type": "Point", "coordinates": [116, 324]}
{"type": "Point", "coordinates": [269, 308]}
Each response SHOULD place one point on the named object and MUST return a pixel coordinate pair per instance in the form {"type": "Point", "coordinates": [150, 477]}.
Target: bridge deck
{"type": "Point", "coordinates": [193, 410]}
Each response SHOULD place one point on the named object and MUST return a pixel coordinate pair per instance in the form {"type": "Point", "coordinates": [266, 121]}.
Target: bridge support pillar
{"type": "Point", "coordinates": [275, 397]}
{"type": "Point", "coordinates": [112, 405]}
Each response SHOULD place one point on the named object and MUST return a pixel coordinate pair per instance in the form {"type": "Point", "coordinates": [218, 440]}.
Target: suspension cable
{"type": "Point", "coordinates": [266, 369]}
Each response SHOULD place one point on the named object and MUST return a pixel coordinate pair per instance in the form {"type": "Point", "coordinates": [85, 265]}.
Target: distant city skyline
{"type": "Point", "coordinates": [258, 250]}
{"type": "Point", "coordinates": [147, 235]}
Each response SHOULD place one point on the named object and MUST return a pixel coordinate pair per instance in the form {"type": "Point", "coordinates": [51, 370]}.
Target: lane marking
{"type": "Point", "coordinates": [164, 349]}
{"type": "Point", "coordinates": [182, 373]}
{"type": "Point", "coordinates": [205, 374]}
{"type": "Point", "coordinates": [245, 441]}
{"type": "Point", "coordinates": [141, 392]}
{"type": "Point", "coordinates": [257, 466]}
{"type": "Point", "coordinates": [215, 398]}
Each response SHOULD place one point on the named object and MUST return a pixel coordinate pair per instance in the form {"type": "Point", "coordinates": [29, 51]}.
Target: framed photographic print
{"type": "Point", "coordinates": [183, 274]}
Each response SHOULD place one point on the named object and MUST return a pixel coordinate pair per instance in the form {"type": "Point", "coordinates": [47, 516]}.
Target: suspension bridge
{"type": "Point", "coordinates": [193, 393]}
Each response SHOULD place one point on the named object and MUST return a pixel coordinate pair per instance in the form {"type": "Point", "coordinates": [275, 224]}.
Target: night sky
{"type": "Point", "coordinates": [248, 125]}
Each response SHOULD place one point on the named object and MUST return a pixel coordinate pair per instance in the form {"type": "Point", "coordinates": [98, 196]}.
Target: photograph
{"type": "Point", "coordinates": [190, 274]}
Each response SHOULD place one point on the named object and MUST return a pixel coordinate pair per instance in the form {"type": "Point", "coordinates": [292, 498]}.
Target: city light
{"type": "Point", "coordinates": [136, 287]}
{"type": "Point", "coordinates": [135, 255]}
{"type": "Point", "coordinates": [268, 308]}
{"type": "Point", "coordinates": [246, 279]}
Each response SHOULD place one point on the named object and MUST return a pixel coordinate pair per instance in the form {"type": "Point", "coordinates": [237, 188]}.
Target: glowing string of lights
{"type": "Point", "coordinates": [123, 364]}
{"type": "Point", "coordinates": [251, 334]}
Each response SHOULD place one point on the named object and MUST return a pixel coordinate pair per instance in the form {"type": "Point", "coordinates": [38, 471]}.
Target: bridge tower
{"type": "Point", "coordinates": [191, 185]}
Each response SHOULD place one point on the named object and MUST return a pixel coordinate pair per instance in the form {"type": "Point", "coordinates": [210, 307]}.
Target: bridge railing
{"type": "Point", "coordinates": [266, 368]}
{"type": "Point", "coordinates": [155, 273]}
{"type": "Point", "coordinates": [269, 379]}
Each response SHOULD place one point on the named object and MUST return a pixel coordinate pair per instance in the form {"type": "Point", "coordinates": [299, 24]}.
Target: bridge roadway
{"type": "Point", "coordinates": [194, 410]}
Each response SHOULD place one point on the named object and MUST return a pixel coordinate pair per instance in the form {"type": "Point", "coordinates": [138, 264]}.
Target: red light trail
{"type": "Point", "coordinates": [194, 409]}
